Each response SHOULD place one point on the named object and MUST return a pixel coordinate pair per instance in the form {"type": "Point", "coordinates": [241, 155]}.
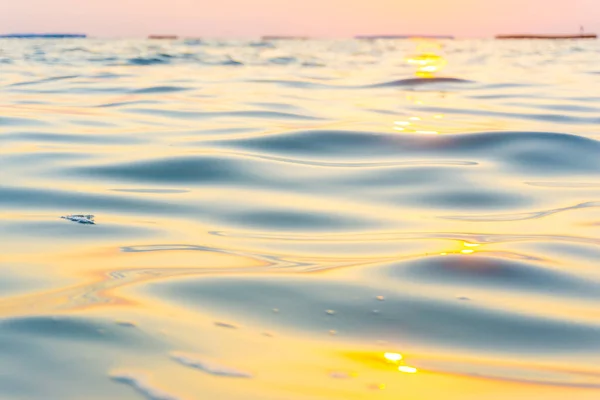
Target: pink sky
{"type": "Point", "coordinates": [330, 18]}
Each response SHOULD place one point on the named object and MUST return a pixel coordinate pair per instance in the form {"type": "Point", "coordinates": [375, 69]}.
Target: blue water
{"type": "Point", "coordinates": [271, 218]}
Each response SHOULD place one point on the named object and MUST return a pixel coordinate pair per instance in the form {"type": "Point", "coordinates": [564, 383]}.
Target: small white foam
{"type": "Point", "coordinates": [139, 383]}
{"type": "Point", "coordinates": [339, 375]}
{"type": "Point", "coordinates": [208, 367]}
{"type": "Point", "coordinates": [82, 219]}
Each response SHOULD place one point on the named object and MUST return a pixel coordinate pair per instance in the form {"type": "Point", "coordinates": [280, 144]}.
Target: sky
{"type": "Point", "coordinates": [324, 18]}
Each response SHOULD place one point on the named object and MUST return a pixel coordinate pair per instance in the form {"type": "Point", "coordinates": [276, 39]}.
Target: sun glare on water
{"type": "Point", "coordinates": [426, 60]}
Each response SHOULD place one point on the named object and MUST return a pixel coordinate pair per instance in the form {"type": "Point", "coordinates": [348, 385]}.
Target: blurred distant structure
{"type": "Point", "coordinates": [163, 37]}
{"type": "Point", "coordinates": [377, 37]}
{"type": "Point", "coordinates": [43, 36]}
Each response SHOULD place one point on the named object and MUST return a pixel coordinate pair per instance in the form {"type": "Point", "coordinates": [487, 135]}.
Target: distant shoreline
{"type": "Point", "coordinates": [43, 36]}
{"type": "Point", "coordinates": [302, 38]}
{"type": "Point", "coordinates": [548, 37]}
{"type": "Point", "coordinates": [387, 37]}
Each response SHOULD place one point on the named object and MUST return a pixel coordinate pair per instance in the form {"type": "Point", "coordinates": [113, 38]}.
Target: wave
{"type": "Point", "coordinates": [522, 216]}
{"type": "Point", "coordinates": [159, 89]}
{"type": "Point", "coordinates": [524, 151]}
{"type": "Point", "coordinates": [413, 82]}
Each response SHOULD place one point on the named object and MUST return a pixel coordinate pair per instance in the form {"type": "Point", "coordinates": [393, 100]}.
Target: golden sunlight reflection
{"type": "Point", "coordinates": [396, 358]}
{"type": "Point", "coordinates": [427, 64]}
{"type": "Point", "coordinates": [469, 250]}
{"type": "Point", "coordinates": [393, 357]}
{"type": "Point", "coordinates": [406, 369]}
{"type": "Point", "coordinates": [415, 124]}
{"type": "Point", "coordinates": [464, 248]}
{"type": "Point", "coordinates": [427, 61]}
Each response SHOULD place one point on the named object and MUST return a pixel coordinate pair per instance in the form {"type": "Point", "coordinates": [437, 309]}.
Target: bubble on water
{"type": "Point", "coordinates": [226, 325]}
{"type": "Point", "coordinates": [339, 375]}
{"type": "Point", "coordinates": [330, 312]}
{"type": "Point", "coordinates": [380, 298]}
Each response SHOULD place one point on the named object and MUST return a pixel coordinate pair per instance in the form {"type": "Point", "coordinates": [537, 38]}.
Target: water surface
{"type": "Point", "coordinates": [272, 219]}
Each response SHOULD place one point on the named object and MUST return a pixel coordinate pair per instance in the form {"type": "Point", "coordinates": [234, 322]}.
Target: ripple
{"type": "Point", "coordinates": [417, 319]}
{"type": "Point", "coordinates": [208, 367]}
{"type": "Point", "coordinates": [517, 373]}
{"type": "Point", "coordinates": [521, 216]}
{"type": "Point", "coordinates": [67, 139]}
{"type": "Point", "coordinates": [489, 272]}
{"type": "Point", "coordinates": [155, 191]}
{"type": "Point", "coordinates": [523, 151]}
{"type": "Point", "coordinates": [201, 169]}
{"type": "Point", "coordinates": [148, 60]}
{"type": "Point", "coordinates": [141, 385]}
{"type": "Point", "coordinates": [566, 185]}
{"type": "Point", "coordinates": [71, 330]}
{"type": "Point", "coordinates": [553, 118]}
{"type": "Point", "coordinates": [417, 82]}
{"type": "Point", "coordinates": [45, 80]}
{"type": "Point", "coordinates": [226, 114]}
{"type": "Point", "coordinates": [24, 198]}
{"type": "Point", "coordinates": [159, 89]}
{"type": "Point", "coordinates": [473, 199]}
{"type": "Point", "coordinates": [12, 121]}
